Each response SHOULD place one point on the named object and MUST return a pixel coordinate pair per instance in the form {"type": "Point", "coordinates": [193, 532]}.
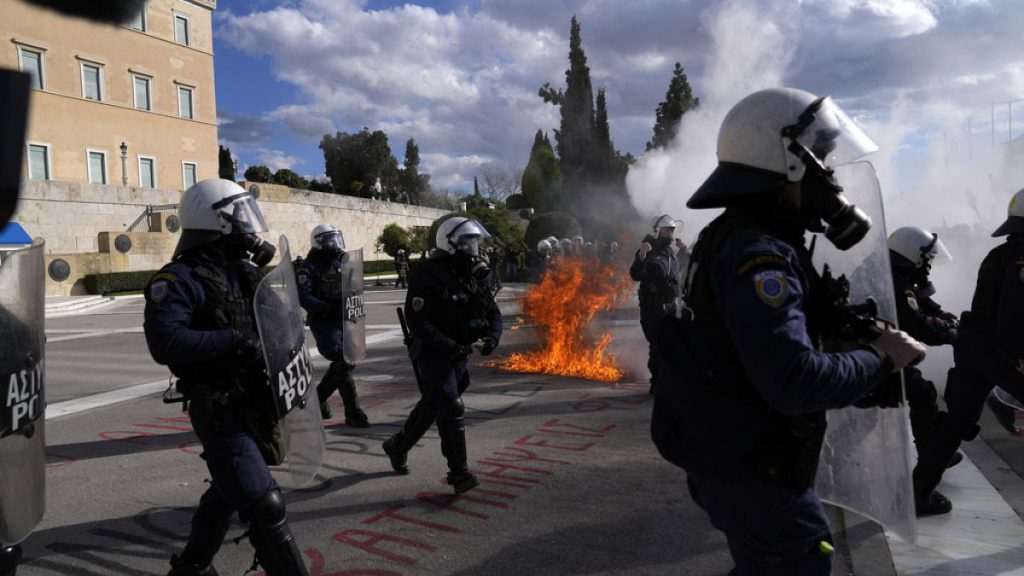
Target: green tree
{"type": "Point", "coordinates": [258, 174]}
{"type": "Point", "coordinates": [353, 162]}
{"type": "Point", "coordinates": [558, 224]}
{"type": "Point", "coordinates": [391, 238]}
{"type": "Point", "coordinates": [542, 178]}
{"type": "Point", "coordinates": [225, 164]}
{"type": "Point", "coordinates": [678, 101]}
{"type": "Point", "coordinates": [409, 178]}
{"type": "Point", "coordinates": [290, 179]}
{"type": "Point", "coordinates": [516, 202]}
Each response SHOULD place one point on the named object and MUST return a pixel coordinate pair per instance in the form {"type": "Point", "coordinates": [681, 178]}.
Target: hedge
{"type": "Point", "coordinates": [114, 282]}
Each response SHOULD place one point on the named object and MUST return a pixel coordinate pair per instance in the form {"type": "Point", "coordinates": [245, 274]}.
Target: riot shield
{"type": "Point", "coordinates": [354, 321]}
{"type": "Point", "coordinates": [282, 335]}
{"type": "Point", "coordinates": [23, 436]}
{"type": "Point", "coordinates": [866, 459]}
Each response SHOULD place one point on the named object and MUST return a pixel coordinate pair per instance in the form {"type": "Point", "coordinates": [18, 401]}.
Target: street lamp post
{"type": "Point", "coordinates": [124, 164]}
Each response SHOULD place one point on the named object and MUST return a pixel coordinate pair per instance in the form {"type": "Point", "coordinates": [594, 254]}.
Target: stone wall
{"type": "Point", "coordinates": [80, 223]}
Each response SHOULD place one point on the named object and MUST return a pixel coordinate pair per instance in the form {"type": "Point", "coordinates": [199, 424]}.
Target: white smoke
{"type": "Point", "coordinates": [749, 52]}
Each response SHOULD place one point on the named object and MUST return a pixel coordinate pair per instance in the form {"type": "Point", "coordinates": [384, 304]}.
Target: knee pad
{"type": "Point", "coordinates": [452, 409]}
{"type": "Point", "coordinates": [269, 513]}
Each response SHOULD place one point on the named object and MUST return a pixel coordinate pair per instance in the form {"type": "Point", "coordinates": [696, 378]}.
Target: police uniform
{"type": "Point", "coordinates": [538, 264]}
{"type": "Point", "coordinates": [320, 283]}
{"type": "Point", "coordinates": [199, 322]}
{"type": "Point", "coordinates": [742, 402]}
{"type": "Point", "coordinates": [447, 311]}
{"type": "Point", "coordinates": [402, 269]}
{"type": "Point", "coordinates": [658, 275]}
{"type": "Point", "coordinates": [927, 322]}
{"type": "Point", "coordinates": [989, 345]}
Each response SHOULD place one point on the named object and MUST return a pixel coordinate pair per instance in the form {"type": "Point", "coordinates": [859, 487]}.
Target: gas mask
{"type": "Point", "coordinates": [252, 247]}
{"type": "Point", "coordinates": [467, 257]}
{"type": "Point", "coordinates": [822, 134]}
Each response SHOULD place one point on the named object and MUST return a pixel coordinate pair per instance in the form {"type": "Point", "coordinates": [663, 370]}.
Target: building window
{"type": "Point", "coordinates": [97, 167]}
{"type": "Point", "coordinates": [92, 82]}
{"type": "Point", "coordinates": [138, 22]}
{"type": "Point", "coordinates": [142, 97]}
{"type": "Point", "coordinates": [147, 172]}
{"type": "Point", "coordinates": [32, 64]}
{"type": "Point", "coordinates": [185, 102]}
{"type": "Point", "coordinates": [181, 29]}
{"type": "Point", "coordinates": [188, 170]}
{"type": "Point", "coordinates": [39, 161]}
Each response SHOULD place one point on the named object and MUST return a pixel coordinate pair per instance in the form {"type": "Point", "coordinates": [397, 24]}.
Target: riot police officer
{"type": "Point", "coordinates": [655, 267]}
{"type": "Point", "coordinates": [199, 321]}
{"type": "Point", "coordinates": [539, 260]}
{"type": "Point", "coordinates": [450, 310]}
{"type": "Point", "coordinates": [320, 278]}
{"type": "Point", "coordinates": [912, 251]}
{"type": "Point", "coordinates": [741, 401]}
{"type": "Point", "coordinates": [402, 268]}
{"type": "Point", "coordinates": [988, 352]}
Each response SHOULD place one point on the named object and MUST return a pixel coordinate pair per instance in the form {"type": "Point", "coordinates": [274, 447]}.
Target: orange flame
{"type": "Point", "coordinates": [562, 306]}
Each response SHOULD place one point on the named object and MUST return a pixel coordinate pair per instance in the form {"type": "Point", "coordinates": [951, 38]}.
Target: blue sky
{"type": "Point", "coordinates": [461, 78]}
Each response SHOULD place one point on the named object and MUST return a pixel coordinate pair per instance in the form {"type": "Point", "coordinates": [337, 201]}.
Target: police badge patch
{"type": "Point", "coordinates": [771, 287]}
{"type": "Point", "coordinates": [158, 291]}
{"type": "Point", "coordinates": [417, 304]}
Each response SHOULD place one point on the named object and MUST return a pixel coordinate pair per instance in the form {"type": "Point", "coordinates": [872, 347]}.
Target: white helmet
{"type": "Point", "coordinates": [918, 246]}
{"type": "Point", "coordinates": [765, 138]}
{"type": "Point", "coordinates": [216, 207]}
{"type": "Point", "coordinates": [1014, 223]}
{"type": "Point", "coordinates": [327, 237]}
{"type": "Point", "coordinates": [543, 246]}
{"type": "Point", "coordinates": [460, 233]}
{"type": "Point", "coordinates": [666, 221]}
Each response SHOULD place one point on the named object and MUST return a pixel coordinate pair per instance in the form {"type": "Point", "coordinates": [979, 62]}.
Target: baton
{"type": "Point", "coordinates": [407, 339]}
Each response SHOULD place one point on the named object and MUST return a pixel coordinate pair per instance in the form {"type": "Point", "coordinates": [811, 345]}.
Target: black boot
{"type": "Point", "coordinates": [325, 410]}
{"type": "Point", "coordinates": [10, 556]}
{"type": "Point", "coordinates": [209, 526]}
{"type": "Point", "coordinates": [326, 387]}
{"type": "Point", "coordinates": [275, 546]}
{"type": "Point", "coordinates": [354, 415]}
{"type": "Point", "coordinates": [398, 457]}
{"type": "Point", "coordinates": [927, 500]}
{"type": "Point", "coordinates": [453, 446]}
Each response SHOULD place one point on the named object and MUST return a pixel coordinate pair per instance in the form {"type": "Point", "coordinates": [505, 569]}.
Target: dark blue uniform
{"type": "Point", "coordinates": [989, 345]}
{"type": "Point", "coordinates": [446, 312]}
{"type": "Point", "coordinates": [926, 322]}
{"type": "Point", "coordinates": [742, 396]}
{"type": "Point", "coordinates": [320, 280]}
{"type": "Point", "coordinates": [658, 275]}
{"type": "Point", "coordinates": [198, 322]}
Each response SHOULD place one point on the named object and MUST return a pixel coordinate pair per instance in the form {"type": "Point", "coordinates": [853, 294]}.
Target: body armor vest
{"type": "Point", "coordinates": [789, 446]}
{"type": "Point", "coordinates": [329, 283]}
{"type": "Point", "coordinates": [467, 301]}
{"type": "Point", "coordinates": [659, 281]}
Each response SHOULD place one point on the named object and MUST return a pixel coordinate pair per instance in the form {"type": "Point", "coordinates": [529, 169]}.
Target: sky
{"type": "Point", "coordinates": [924, 78]}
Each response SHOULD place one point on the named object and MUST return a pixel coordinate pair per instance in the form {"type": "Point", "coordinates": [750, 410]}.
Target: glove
{"type": "Point", "coordinates": [248, 349]}
{"type": "Point", "coordinates": [460, 353]}
{"type": "Point", "coordinates": [488, 345]}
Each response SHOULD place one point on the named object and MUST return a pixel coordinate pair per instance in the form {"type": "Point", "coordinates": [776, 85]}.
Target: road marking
{"type": "Point", "coordinates": [79, 334]}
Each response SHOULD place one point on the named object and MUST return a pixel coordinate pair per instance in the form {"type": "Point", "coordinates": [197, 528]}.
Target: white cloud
{"type": "Point", "coordinates": [276, 159]}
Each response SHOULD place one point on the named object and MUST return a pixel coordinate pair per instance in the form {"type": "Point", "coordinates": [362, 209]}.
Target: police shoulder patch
{"type": "Point", "coordinates": [302, 276]}
{"type": "Point", "coordinates": [771, 287]}
{"type": "Point", "coordinates": [158, 290]}
{"type": "Point", "coordinates": [417, 304]}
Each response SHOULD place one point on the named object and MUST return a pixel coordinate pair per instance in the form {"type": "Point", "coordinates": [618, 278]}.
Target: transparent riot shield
{"type": "Point", "coordinates": [866, 459]}
{"type": "Point", "coordinates": [355, 315]}
{"type": "Point", "coordinates": [23, 436]}
{"type": "Point", "coordinates": [276, 306]}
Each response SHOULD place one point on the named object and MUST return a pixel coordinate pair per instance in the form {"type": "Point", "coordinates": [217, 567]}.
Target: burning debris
{"type": "Point", "coordinates": [562, 306]}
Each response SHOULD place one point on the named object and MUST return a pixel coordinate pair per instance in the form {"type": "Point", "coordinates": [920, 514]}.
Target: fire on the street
{"type": "Point", "coordinates": [561, 308]}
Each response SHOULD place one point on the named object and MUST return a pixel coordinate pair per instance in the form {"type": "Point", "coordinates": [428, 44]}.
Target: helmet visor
{"type": "Point", "coordinates": [936, 254]}
{"type": "Point", "coordinates": [331, 240]}
{"type": "Point", "coordinates": [833, 137]}
{"type": "Point", "coordinates": [242, 213]}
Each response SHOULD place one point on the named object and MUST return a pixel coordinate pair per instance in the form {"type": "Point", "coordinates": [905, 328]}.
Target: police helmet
{"type": "Point", "coordinates": [666, 221]}
{"type": "Point", "coordinates": [1014, 223]}
{"type": "Point", "coordinates": [212, 208]}
{"type": "Point", "coordinates": [918, 246]}
{"type": "Point", "coordinates": [460, 234]}
{"type": "Point", "coordinates": [543, 246]}
{"type": "Point", "coordinates": [764, 139]}
{"type": "Point", "coordinates": [327, 237]}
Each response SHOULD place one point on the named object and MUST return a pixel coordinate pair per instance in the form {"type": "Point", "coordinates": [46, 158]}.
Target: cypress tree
{"type": "Point", "coordinates": [678, 101]}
